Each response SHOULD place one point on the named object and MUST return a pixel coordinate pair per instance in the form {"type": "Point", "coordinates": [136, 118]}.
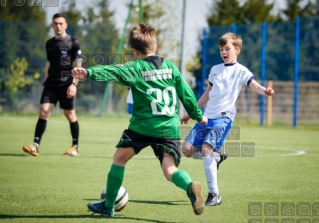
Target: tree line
{"type": "Point", "coordinates": [24, 30]}
{"type": "Point", "coordinates": [248, 17]}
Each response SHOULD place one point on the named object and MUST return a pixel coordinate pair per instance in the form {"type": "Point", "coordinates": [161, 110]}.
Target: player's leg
{"type": "Point", "coordinates": [211, 156]}
{"type": "Point", "coordinates": [130, 144]}
{"type": "Point", "coordinates": [188, 149]}
{"type": "Point", "coordinates": [75, 132]}
{"type": "Point", "coordinates": [169, 155]}
{"type": "Point", "coordinates": [114, 182]}
{"type": "Point", "coordinates": [193, 142]}
{"type": "Point", "coordinates": [210, 168]}
{"type": "Point", "coordinates": [68, 106]}
{"type": "Point", "coordinates": [47, 103]}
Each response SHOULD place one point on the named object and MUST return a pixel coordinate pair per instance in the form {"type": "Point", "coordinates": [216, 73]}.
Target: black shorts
{"type": "Point", "coordinates": [160, 146]}
{"type": "Point", "coordinates": [53, 95]}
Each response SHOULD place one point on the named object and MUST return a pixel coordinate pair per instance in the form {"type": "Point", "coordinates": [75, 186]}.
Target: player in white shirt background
{"type": "Point", "coordinates": [224, 84]}
{"type": "Point", "coordinates": [129, 101]}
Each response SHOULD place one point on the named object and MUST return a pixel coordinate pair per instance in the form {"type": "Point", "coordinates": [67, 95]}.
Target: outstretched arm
{"type": "Point", "coordinates": [261, 89]}
{"type": "Point", "coordinates": [188, 99]}
{"type": "Point", "coordinates": [201, 102]}
{"type": "Point", "coordinates": [122, 74]}
{"type": "Point", "coordinates": [47, 66]}
{"type": "Point", "coordinates": [79, 73]}
{"type": "Point", "coordinates": [205, 97]}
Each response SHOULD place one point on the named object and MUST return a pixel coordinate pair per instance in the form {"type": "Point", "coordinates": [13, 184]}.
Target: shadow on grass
{"type": "Point", "coordinates": [121, 218]}
{"type": "Point", "coordinates": [159, 202]}
{"type": "Point", "coordinates": [78, 157]}
{"type": "Point", "coordinates": [150, 202]}
{"type": "Point", "coordinates": [5, 154]}
{"type": "Point", "coordinates": [55, 155]}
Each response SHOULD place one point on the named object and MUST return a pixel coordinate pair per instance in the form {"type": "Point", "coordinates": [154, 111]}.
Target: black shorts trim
{"type": "Point", "coordinates": [160, 146]}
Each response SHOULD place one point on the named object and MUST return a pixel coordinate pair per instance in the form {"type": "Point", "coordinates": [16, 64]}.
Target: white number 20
{"type": "Point", "coordinates": [163, 95]}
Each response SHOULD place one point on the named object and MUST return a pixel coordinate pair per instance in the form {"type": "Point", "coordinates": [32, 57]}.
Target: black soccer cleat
{"type": "Point", "coordinates": [223, 156]}
{"type": "Point", "coordinates": [213, 200]}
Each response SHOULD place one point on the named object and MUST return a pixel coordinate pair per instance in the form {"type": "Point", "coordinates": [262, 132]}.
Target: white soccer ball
{"type": "Point", "coordinates": [121, 199]}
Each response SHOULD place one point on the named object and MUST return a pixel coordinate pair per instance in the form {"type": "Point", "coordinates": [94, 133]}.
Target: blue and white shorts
{"type": "Point", "coordinates": [214, 133]}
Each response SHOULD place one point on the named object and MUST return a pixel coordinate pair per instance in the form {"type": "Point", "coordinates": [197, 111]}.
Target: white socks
{"type": "Point", "coordinates": [198, 155]}
{"type": "Point", "coordinates": [210, 167]}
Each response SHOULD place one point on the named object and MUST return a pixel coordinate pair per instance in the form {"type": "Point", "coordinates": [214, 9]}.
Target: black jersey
{"type": "Point", "coordinates": [61, 54]}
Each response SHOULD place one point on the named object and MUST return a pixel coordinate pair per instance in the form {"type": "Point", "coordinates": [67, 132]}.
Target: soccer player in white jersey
{"type": "Point", "coordinates": [224, 84]}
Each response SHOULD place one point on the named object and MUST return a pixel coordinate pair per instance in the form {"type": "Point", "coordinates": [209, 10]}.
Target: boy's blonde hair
{"type": "Point", "coordinates": [233, 38]}
{"type": "Point", "coordinates": [143, 38]}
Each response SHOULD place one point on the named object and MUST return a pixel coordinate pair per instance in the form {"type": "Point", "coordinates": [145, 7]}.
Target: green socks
{"type": "Point", "coordinates": [181, 179]}
{"type": "Point", "coordinates": [115, 178]}
{"type": "Point", "coordinates": [113, 184]}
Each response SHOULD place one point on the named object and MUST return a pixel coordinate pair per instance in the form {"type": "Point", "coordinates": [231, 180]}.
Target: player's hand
{"type": "Point", "coordinates": [185, 119]}
{"type": "Point", "coordinates": [204, 120]}
{"type": "Point", "coordinates": [269, 91]}
{"type": "Point", "coordinates": [71, 92]}
{"type": "Point", "coordinates": [79, 73]}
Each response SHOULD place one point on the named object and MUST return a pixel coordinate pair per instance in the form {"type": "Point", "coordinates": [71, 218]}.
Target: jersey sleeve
{"type": "Point", "coordinates": [121, 73]}
{"type": "Point", "coordinates": [76, 51]}
{"type": "Point", "coordinates": [187, 97]}
{"type": "Point", "coordinates": [246, 76]}
{"type": "Point", "coordinates": [211, 75]}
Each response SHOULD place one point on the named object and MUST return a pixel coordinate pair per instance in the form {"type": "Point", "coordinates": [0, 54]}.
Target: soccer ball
{"type": "Point", "coordinates": [121, 199]}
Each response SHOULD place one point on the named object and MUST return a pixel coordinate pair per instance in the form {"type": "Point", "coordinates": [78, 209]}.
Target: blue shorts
{"type": "Point", "coordinates": [214, 133]}
{"type": "Point", "coordinates": [129, 108]}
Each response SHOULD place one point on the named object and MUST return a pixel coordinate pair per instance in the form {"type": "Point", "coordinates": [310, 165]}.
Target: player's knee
{"type": "Point", "coordinates": [70, 115]}
{"type": "Point", "coordinates": [168, 175]}
{"type": "Point", "coordinates": [44, 114]}
{"type": "Point", "coordinates": [186, 150]}
{"type": "Point", "coordinates": [122, 156]}
{"type": "Point", "coordinates": [207, 149]}
{"type": "Point", "coordinates": [169, 168]}
{"type": "Point", "coordinates": [119, 161]}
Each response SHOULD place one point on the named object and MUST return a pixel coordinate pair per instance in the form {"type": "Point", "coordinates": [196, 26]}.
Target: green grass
{"type": "Point", "coordinates": [54, 188]}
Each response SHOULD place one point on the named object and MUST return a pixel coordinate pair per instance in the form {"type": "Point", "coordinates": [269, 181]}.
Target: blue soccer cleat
{"type": "Point", "coordinates": [98, 207]}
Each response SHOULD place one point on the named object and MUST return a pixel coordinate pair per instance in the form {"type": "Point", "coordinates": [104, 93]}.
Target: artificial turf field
{"type": "Point", "coordinates": [284, 170]}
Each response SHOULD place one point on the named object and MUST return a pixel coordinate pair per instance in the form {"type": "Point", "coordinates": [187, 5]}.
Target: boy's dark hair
{"type": "Point", "coordinates": [143, 38]}
{"type": "Point", "coordinates": [59, 15]}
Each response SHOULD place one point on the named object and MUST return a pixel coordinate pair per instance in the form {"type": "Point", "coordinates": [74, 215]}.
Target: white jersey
{"type": "Point", "coordinates": [226, 81]}
{"type": "Point", "coordinates": [129, 98]}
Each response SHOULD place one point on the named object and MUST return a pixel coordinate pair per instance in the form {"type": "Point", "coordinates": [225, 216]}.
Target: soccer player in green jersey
{"type": "Point", "coordinates": [156, 85]}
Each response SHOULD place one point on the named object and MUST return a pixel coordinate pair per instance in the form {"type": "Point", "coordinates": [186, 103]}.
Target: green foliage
{"type": "Point", "coordinates": [252, 11]}
{"type": "Point", "coordinates": [23, 32]}
{"type": "Point", "coordinates": [295, 9]}
{"type": "Point", "coordinates": [164, 17]}
{"type": "Point", "coordinates": [248, 16]}
{"type": "Point", "coordinates": [72, 14]}
{"type": "Point", "coordinates": [222, 14]}
{"type": "Point", "coordinates": [24, 12]}
{"type": "Point", "coordinates": [257, 11]}
{"type": "Point", "coordinates": [95, 29]}
{"type": "Point", "coordinates": [17, 78]}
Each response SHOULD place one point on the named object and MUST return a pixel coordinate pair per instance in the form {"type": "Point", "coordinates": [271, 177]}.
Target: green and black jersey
{"type": "Point", "coordinates": [156, 86]}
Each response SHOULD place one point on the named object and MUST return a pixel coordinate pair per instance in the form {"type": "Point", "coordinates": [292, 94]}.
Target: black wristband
{"type": "Point", "coordinates": [75, 84]}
